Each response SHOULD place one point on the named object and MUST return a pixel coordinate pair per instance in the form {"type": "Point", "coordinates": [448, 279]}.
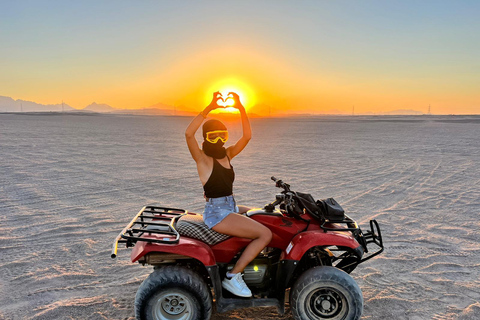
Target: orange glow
{"type": "Point", "coordinates": [265, 79]}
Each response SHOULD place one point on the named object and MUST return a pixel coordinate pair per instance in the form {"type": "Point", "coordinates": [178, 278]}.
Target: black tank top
{"type": "Point", "coordinates": [220, 182]}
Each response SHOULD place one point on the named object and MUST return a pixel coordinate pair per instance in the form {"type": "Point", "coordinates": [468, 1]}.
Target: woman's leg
{"type": "Point", "coordinates": [240, 226]}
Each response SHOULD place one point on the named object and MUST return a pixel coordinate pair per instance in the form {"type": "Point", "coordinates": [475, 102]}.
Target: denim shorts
{"type": "Point", "coordinates": [216, 209]}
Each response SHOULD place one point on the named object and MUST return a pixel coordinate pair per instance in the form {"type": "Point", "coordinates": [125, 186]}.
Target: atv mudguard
{"type": "Point", "coordinates": [302, 242]}
{"type": "Point", "coordinates": [185, 247]}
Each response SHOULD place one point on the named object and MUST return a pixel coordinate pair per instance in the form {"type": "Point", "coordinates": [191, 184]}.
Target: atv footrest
{"type": "Point", "coordinates": [224, 305]}
{"type": "Point", "coordinates": [151, 220]}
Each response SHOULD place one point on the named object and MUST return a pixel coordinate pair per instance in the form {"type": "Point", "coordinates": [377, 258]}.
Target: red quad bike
{"type": "Point", "coordinates": [313, 249]}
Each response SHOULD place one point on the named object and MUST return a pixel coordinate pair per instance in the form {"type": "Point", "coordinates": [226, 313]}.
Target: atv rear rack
{"type": "Point", "coordinates": [150, 220]}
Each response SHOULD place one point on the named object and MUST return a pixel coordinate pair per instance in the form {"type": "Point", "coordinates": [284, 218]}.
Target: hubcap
{"type": "Point", "coordinates": [327, 303]}
{"type": "Point", "coordinates": [172, 306]}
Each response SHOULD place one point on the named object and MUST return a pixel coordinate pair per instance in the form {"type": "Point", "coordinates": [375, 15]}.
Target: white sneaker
{"type": "Point", "coordinates": [237, 286]}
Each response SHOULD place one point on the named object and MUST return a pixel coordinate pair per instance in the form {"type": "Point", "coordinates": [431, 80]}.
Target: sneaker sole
{"type": "Point", "coordinates": [239, 295]}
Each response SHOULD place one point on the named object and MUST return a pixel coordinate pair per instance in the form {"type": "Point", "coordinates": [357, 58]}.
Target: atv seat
{"type": "Point", "coordinates": [192, 226]}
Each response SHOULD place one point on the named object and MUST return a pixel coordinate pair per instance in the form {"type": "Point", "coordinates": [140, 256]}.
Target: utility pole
{"type": "Point", "coordinates": [353, 110]}
{"type": "Point", "coordinates": [429, 113]}
{"type": "Point", "coordinates": [63, 108]}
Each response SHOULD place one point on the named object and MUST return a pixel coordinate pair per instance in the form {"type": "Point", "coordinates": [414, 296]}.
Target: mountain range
{"type": "Point", "coordinates": [95, 107]}
{"type": "Point", "coordinates": [7, 104]}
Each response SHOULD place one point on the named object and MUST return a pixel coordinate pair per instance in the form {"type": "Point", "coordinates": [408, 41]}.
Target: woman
{"type": "Point", "coordinates": [216, 174]}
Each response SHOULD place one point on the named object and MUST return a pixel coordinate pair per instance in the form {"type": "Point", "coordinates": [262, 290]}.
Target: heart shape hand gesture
{"type": "Point", "coordinates": [225, 102]}
{"type": "Point", "coordinates": [221, 102]}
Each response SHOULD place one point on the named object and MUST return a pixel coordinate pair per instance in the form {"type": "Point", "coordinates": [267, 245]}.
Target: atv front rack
{"type": "Point", "coordinates": [351, 224]}
{"type": "Point", "coordinates": [150, 220]}
{"type": "Point", "coordinates": [374, 235]}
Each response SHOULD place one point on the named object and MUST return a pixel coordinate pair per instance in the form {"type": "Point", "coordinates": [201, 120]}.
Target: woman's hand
{"type": "Point", "coordinates": [236, 99]}
{"type": "Point", "coordinates": [214, 104]}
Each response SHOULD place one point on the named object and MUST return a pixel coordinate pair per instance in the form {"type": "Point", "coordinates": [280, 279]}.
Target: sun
{"type": "Point", "coordinates": [245, 92]}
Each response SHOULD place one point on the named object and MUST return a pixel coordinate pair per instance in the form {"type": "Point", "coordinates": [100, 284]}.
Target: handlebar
{"type": "Point", "coordinates": [281, 184]}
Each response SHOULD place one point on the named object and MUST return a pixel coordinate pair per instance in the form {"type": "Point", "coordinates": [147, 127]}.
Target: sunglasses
{"type": "Point", "coordinates": [214, 136]}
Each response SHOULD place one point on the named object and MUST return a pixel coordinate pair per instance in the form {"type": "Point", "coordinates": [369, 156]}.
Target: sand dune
{"type": "Point", "coordinates": [69, 184]}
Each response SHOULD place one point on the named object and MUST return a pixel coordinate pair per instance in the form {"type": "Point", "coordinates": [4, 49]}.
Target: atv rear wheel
{"type": "Point", "coordinates": [326, 293]}
{"type": "Point", "coordinates": [173, 293]}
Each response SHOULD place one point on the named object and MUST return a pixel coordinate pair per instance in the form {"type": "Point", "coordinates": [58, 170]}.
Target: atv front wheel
{"type": "Point", "coordinates": [173, 293]}
{"type": "Point", "coordinates": [326, 293]}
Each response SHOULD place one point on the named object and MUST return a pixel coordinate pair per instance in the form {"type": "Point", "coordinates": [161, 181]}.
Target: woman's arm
{"type": "Point", "coordinates": [192, 128]}
{"type": "Point", "coordinates": [235, 149]}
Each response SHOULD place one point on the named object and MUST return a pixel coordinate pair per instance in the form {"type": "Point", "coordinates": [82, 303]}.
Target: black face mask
{"type": "Point", "coordinates": [214, 150]}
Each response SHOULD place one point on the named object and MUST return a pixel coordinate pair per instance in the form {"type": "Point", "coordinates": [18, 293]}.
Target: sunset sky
{"type": "Point", "coordinates": [289, 56]}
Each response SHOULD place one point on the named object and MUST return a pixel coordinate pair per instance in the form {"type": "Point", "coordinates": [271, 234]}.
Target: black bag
{"type": "Point", "coordinates": [331, 210]}
{"type": "Point", "coordinates": [308, 202]}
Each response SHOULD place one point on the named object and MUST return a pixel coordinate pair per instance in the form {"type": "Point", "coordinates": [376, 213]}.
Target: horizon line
{"type": "Point", "coordinates": [252, 115]}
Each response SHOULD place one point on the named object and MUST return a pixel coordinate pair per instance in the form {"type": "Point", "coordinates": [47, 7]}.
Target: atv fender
{"type": "Point", "coordinates": [302, 242]}
{"type": "Point", "coordinates": [185, 247]}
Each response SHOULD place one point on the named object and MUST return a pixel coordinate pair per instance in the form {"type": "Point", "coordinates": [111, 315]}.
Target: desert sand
{"type": "Point", "coordinates": [70, 183]}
